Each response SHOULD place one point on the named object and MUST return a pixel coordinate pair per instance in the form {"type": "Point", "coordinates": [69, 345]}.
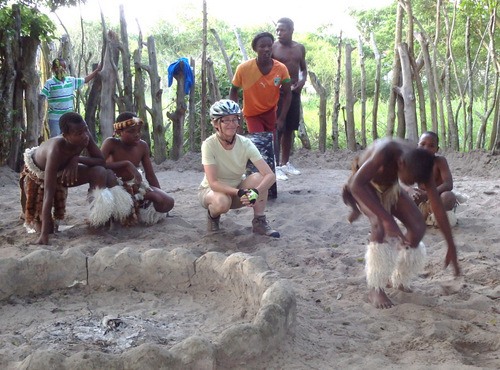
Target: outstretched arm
{"type": "Point", "coordinates": [94, 73]}
{"type": "Point", "coordinates": [444, 225]}
{"type": "Point", "coordinates": [50, 181]}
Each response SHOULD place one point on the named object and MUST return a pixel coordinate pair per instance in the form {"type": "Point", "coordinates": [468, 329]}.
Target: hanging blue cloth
{"type": "Point", "coordinates": [188, 74]}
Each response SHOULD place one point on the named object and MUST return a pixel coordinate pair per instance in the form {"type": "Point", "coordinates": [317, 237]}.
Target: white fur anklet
{"type": "Point", "coordinates": [452, 219]}
{"type": "Point", "coordinates": [150, 215]}
{"type": "Point", "coordinates": [380, 261]}
{"type": "Point", "coordinates": [123, 203]}
{"type": "Point", "coordinates": [101, 206]}
{"type": "Point", "coordinates": [410, 262]}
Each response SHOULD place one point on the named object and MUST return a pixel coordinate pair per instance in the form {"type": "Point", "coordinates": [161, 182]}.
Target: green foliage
{"type": "Point", "coordinates": [183, 38]}
{"type": "Point", "coordinates": [33, 23]}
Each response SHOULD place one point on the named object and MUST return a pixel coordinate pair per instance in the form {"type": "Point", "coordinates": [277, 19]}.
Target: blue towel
{"type": "Point", "coordinates": [188, 74]}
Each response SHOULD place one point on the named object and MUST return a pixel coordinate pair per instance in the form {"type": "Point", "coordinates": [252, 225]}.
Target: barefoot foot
{"type": "Point", "coordinates": [379, 299]}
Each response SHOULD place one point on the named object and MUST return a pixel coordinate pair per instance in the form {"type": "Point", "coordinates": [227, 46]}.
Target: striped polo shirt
{"type": "Point", "coordinates": [60, 95]}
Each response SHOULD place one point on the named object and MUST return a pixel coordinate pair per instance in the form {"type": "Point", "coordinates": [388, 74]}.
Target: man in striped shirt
{"type": "Point", "coordinates": [59, 92]}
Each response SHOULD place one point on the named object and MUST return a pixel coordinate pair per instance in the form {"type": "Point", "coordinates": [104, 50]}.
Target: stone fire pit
{"type": "Point", "coordinates": [120, 309]}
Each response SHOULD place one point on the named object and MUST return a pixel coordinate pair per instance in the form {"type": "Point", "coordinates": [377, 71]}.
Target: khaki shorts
{"type": "Point", "coordinates": [202, 193]}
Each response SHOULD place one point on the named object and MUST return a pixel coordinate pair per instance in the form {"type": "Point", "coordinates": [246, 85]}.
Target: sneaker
{"type": "Point", "coordinates": [260, 226]}
{"type": "Point", "coordinates": [280, 175]}
{"type": "Point", "coordinates": [212, 222]}
{"type": "Point", "coordinates": [290, 170]}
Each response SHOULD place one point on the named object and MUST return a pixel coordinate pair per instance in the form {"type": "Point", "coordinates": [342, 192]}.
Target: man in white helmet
{"type": "Point", "coordinates": [224, 157]}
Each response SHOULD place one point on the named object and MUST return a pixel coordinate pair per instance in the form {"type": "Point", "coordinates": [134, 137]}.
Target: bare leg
{"type": "Point", "coordinates": [379, 265]}
{"type": "Point", "coordinates": [286, 145]}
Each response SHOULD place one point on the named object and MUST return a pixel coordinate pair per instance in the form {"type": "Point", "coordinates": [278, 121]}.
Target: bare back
{"type": "Point", "coordinates": [382, 159]}
{"type": "Point", "coordinates": [57, 151]}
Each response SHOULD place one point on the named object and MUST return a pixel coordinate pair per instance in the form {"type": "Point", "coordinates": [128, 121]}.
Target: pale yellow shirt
{"type": "Point", "coordinates": [231, 164]}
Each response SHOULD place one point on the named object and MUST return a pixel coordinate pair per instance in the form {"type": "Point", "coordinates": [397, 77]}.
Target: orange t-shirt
{"type": "Point", "coordinates": [260, 93]}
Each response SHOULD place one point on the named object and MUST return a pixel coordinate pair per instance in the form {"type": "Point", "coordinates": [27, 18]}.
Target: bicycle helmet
{"type": "Point", "coordinates": [224, 107]}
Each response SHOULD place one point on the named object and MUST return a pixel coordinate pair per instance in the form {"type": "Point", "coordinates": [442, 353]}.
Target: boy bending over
{"type": "Point", "coordinates": [374, 187]}
{"type": "Point", "coordinates": [54, 166]}
{"type": "Point", "coordinates": [124, 155]}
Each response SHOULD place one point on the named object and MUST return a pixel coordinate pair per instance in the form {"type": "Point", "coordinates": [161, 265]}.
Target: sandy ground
{"type": "Point", "coordinates": [445, 323]}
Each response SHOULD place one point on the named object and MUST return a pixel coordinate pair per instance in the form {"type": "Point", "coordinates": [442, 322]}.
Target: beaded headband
{"type": "Point", "coordinates": [134, 121]}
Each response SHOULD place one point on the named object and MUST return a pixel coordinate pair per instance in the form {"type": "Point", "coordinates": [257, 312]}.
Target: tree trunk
{"type": "Point", "coordinates": [376, 94]}
{"type": "Point", "coordinates": [437, 85]}
{"type": "Point", "coordinates": [7, 81]}
{"type": "Point", "coordinates": [179, 115]}
{"type": "Point", "coordinates": [468, 140]}
{"type": "Point", "coordinates": [396, 74]}
{"type": "Point", "coordinates": [160, 143]}
{"type": "Point", "coordinates": [336, 97]}
{"type": "Point", "coordinates": [109, 79]}
{"type": "Point", "coordinates": [17, 123]}
{"type": "Point", "coordinates": [492, 57]}
{"type": "Point", "coordinates": [192, 111]}
{"type": "Point", "coordinates": [429, 75]}
{"type": "Point", "coordinates": [363, 92]}
{"type": "Point", "coordinates": [224, 54]}
{"type": "Point", "coordinates": [350, 100]}
{"type": "Point", "coordinates": [452, 122]}
{"type": "Point", "coordinates": [203, 111]}
{"type": "Point", "coordinates": [140, 91]}
{"type": "Point", "coordinates": [400, 113]}
{"type": "Point", "coordinates": [407, 93]}
{"type": "Point", "coordinates": [495, 129]}
{"type": "Point", "coordinates": [240, 44]}
{"type": "Point", "coordinates": [92, 104]}
{"type": "Point", "coordinates": [322, 111]}
{"type": "Point", "coordinates": [46, 57]}
{"type": "Point", "coordinates": [126, 96]}
{"type": "Point", "coordinates": [302, 132]}
{"type": "Point", "coordinates": [213, 85]}
{"type": "Point", "coordinates": [31, 85]}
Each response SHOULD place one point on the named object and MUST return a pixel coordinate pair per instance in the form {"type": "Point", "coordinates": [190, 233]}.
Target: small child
{"type": "Point", "coordinates": [124, 155]}
{"type": "Point", "coordinates": [429, 141]}
{"type": "Point", "coordinates": [55, 165]}
{"type": "Point", "coordinates": [374, 186]}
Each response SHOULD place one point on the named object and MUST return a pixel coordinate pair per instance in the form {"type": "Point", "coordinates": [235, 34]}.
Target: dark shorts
{"type": "Point", "coordinates": [293, 116]}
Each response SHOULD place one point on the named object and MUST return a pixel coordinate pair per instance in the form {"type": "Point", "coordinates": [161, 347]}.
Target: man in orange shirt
{"type": "Point", "coordinates": [261, 80]}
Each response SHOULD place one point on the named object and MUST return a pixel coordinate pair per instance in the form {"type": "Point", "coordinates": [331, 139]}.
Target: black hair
{"type": "Point", "coordinates": [56, 62]}
{"type": "Point", "coordinates": [125, 116]}
{"type": "Point", "coordinates": [68, 118]}
{"type": "Point", "coordinates": [286, 21]}
{"type": "Point", "coordinates": [433, 134]}
{"type": "Point", "coordinates": [420, 162]}
{"type": "Point", "coordinates": [260, 36]}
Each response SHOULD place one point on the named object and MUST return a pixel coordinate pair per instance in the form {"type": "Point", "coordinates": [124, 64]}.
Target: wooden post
{"type": "Point", "coordinates": [160, 143]}
{"type": "Point", "coordinates": [322, 110]}
{"type": "Point", "coordinates": [178, 116]}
